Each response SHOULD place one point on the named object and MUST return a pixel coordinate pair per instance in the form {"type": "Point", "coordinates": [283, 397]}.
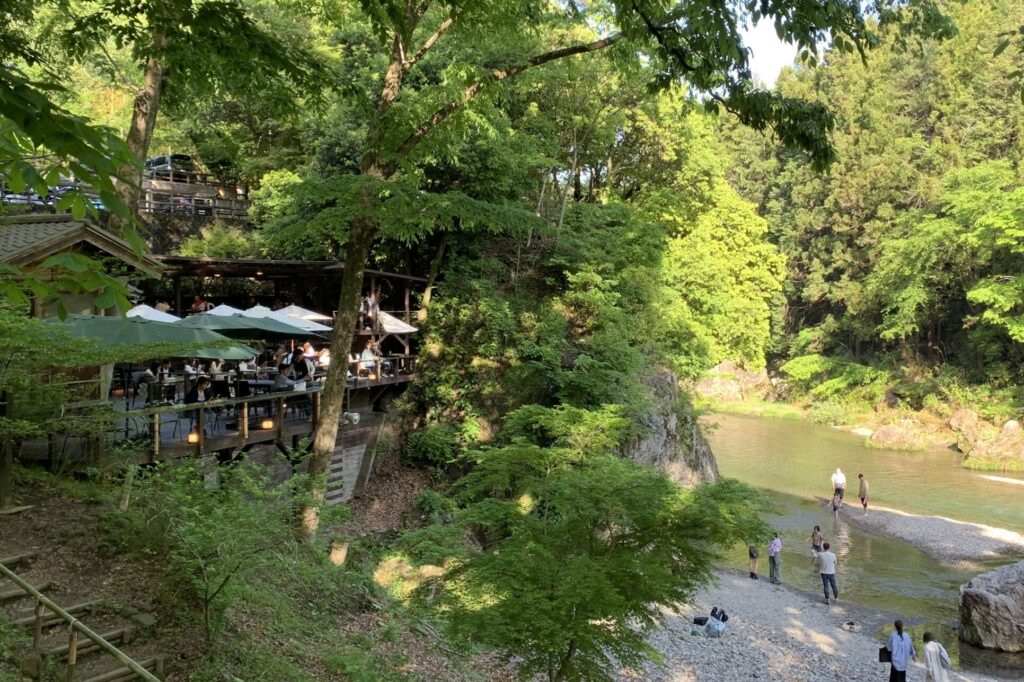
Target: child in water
{"type": "Point", "coordinates": [816, 541]}
{"type": "Point", "coordinates": [837, 504]}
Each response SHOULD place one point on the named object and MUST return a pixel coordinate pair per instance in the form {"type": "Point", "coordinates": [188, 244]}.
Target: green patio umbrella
{"type": "Point", "coordinates": [124, 331]}
{"type": "Point", "coordinates": [241, 327]}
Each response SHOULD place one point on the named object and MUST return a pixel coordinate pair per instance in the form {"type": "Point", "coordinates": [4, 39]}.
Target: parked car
{"type": "Point", "coordinates": [175, 167]}
{"type": "Point", "coordinates": [57, 193]}
{"type": "Point", "coordinates": [28, 197]}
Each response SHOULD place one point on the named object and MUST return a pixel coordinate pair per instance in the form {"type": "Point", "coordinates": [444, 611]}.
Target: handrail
{"type": "Point", "coordinates": [218, 402]}
{"type": "Point", "coordinates": [75, 624]}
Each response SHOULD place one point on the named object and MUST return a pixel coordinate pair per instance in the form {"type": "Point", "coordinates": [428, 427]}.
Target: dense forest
{"type": "Point", "coordinates": [904, 260]}
{"type": "Point", "coordinates": [599, 196]}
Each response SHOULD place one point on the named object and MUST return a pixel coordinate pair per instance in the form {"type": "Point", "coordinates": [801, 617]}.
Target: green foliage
{"type": "Point", "coordinates": [220, 241]}
{"type": "Point", "coordinates": [210, 533]}
{"type": "Point", "coordinates": [583, 545]}
{"type": "Point", "coordinates": [832, 378]}
{"type": "Point", "coordinates": [438, 445]}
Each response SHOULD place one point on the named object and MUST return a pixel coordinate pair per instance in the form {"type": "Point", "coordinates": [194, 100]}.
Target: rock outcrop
{"type": "Point", "coordinates": [905, 435]}
{"type": "Point", "coordinates": [728, 382]}
{"type": "Point", "coordinates": [982, 441]}
{"type": "Point", "coordinates": [992, 609]}
{"type": "Point", "coordinates": [673, 440]}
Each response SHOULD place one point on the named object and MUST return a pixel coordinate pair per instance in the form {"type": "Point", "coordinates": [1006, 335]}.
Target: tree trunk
{"type": "Point", "coordinates": [140, 130]}
{"type": "Point", "coordinates": [435, 266]}
{"type": "Point", "coordinates": [357, 249]}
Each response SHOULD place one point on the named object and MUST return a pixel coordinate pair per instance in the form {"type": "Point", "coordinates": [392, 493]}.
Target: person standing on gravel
{"type": "Point", "coordinates": [936, 660]}
{"type": "Point", "coordinates": [827, 567]}
{"type": "Point", "coordinates": [753, 554]}
{"type": "Point", "coordinates": [839, 483]}
{"type": "Point", "coordinates": [775, 560]}
{"type": "Point", "coordinates": [863, 492]}
{"type": "Point", "coordinates": [902, 650]}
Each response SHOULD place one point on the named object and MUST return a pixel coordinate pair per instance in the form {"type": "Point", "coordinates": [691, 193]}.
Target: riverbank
{"type": "Point", "coordinates": [775, 632]}
{"type": "Point", "coordinates": [942, 538]}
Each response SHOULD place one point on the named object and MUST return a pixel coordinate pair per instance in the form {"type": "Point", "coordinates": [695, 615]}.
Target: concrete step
{"type": "Point", "coordinates": [28, 618]}
{"type": "Point", "coordinates": [17, 559]}
{"type": "Point", "coordinates": [154, 664]}
{"type": "Point", "coordinates": [86, 646]}
{"type": "Point", "coordinates": [9, 594]}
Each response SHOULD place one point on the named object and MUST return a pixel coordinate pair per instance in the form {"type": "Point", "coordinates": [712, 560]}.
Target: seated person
{"type": "Point", "coordinates": [192, 367]}
{"type": "Point", "coordinates": [146, 383]}
{"type": "Point", "coordinates": [217, 369]}
{"type": "Point", "coordinates": [368, 362]}
{"type": "Point", "coordinates": [199, 393]}
{"type": "Point", "coordinates": [324, 358]}
{"type": "Point", "coordinates": [284, 379]}
{"type": "Point", "coordinates": [303, 368]}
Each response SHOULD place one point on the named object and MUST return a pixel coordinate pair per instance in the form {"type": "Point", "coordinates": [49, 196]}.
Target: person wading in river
{"type": "Point", "coordinates": [816, 541]}
{"type": "Point", "coordinates": [902, 650]}
{"type": "Point", "coordinates": [839, 483]}
{"type": "Point", "coordinates": [863, 493]}
{"type": "Point", "coordinates": [775, 560]}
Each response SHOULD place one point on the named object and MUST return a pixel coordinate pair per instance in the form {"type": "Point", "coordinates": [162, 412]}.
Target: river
{"type": "Point", "coordinates": [792, 461]}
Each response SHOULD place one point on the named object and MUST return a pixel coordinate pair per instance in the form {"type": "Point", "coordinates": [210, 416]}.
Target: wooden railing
{"type": "Point", "coordinates": [74, 628]}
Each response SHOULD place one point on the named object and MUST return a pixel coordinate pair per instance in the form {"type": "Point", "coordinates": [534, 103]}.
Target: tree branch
{"type": "Point", "coordinates": [496, 76]}
{"type": "Point", "coordinates": [427, 44]}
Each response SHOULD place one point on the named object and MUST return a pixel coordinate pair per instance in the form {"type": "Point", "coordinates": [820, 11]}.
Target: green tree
{"type": "Point", "coordinates": [579, 548]}
{"type": "Point", "coordinates": [696, 42]}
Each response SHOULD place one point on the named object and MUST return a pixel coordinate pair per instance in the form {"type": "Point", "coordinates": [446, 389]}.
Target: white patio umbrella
{"type": "Point", "coordinates": [303, 313]}
{"type": "Point", "coordinates": [264, 311]}
{"type": "Point", "coordinates": [393, 325]}
{"type": "Point", "coordinates": [150, 313]}
{"type": "Point", "coordinates": [224, 310]}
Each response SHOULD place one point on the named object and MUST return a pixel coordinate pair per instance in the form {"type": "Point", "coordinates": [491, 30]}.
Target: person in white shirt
{"type": "Point", "coordinates": [775, 560]}
{"type": "Point", "coordinates": [192, 367]}
{"type": "Point", "coordinates": [936, 660]}
{"type": "Point", "coordinates": [827, 567]}
{"type": "Point", "coordinates": [839, 482]}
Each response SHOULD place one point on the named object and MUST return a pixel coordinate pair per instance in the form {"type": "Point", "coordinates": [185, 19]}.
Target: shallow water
{"type": "Point", "coordinates": [798, 458]}
{"type": "Point", "coordinates": [793, 461]}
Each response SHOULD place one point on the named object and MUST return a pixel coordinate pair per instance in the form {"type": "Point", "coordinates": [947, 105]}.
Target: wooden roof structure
{"type": "Point", "coordinates": [26, 241]}
{"type": "Point", "coordinates": [268, 268]}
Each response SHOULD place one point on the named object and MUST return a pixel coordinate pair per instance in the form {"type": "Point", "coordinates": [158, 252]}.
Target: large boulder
{"type": "Point", "coordinates": [903, 436]}
{"type": "Point", "coordinates": [728, 382]}
{"type": "Point", "coordinates": [992, 609]}
{"type": "Point", "coordinates": [672, 440]}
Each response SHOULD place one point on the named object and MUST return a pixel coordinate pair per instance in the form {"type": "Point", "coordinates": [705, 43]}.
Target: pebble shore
{"type": "Point", "coordinates": [775, 632]}
{"type": "Point", "coordinates": [945, 539]}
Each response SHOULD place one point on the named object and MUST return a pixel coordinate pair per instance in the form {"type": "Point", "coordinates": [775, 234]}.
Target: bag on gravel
{"type": "Point", "coordinates": [714, 627]}
{"type": "Point", "coordinates": [700, 620]}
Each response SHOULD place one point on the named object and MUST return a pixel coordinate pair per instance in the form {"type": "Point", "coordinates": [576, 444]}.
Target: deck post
{"type": "Point", "coordinates": [154, 430]}
{"type": "Point", "coordinates": [200, 430]}
{"type": "Point", "coordinates": [37, 628]}
{"type": "Point", "coordinates": [316, 409]}
{"type": "Point", "coordinates": [72, 651]}
{"type": "Point", "coordinates": [243, 421]}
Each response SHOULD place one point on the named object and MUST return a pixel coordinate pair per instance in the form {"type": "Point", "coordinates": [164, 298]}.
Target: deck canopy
{"type": "Point", "coordinates": [264, 311]}
{"type": "Point", "coordinates": [182, 341]}
{"type": "Point", "coordinates": [247, 327]}
{"type": "Point", "coordinates": [150, 313]}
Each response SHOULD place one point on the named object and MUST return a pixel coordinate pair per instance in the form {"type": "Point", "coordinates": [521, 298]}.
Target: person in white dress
{"type": "Point", "coordinates": [936, 660]}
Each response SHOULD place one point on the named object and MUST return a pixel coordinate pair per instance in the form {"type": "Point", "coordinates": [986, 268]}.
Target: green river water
{"type": "Point", "coordinates": [793, 461]}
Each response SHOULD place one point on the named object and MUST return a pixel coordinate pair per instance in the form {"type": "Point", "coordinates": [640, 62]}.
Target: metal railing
{"type": "Point", "coordinates": [74, 627]}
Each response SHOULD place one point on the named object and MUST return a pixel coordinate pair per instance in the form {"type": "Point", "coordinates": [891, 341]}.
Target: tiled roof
{"type": "Point", "coordinates": [25, 240]}
{"type": "Point", "coordinates": [18, 239]}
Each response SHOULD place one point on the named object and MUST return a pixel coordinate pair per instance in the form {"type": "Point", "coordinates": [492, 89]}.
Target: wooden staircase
{"type": "Point", "coordinates": [353, 458]}
{"type": "Point", "coordinates": [67, 639]}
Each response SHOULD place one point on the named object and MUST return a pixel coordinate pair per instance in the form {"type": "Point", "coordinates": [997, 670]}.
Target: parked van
{"type": "Point", "coordinates": [177, 167]}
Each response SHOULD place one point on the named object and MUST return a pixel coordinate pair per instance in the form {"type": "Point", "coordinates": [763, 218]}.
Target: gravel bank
{"type": "Point", "coordinates": [773, 633]}
{"type": "Point", "coordinates": [945, 539]}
